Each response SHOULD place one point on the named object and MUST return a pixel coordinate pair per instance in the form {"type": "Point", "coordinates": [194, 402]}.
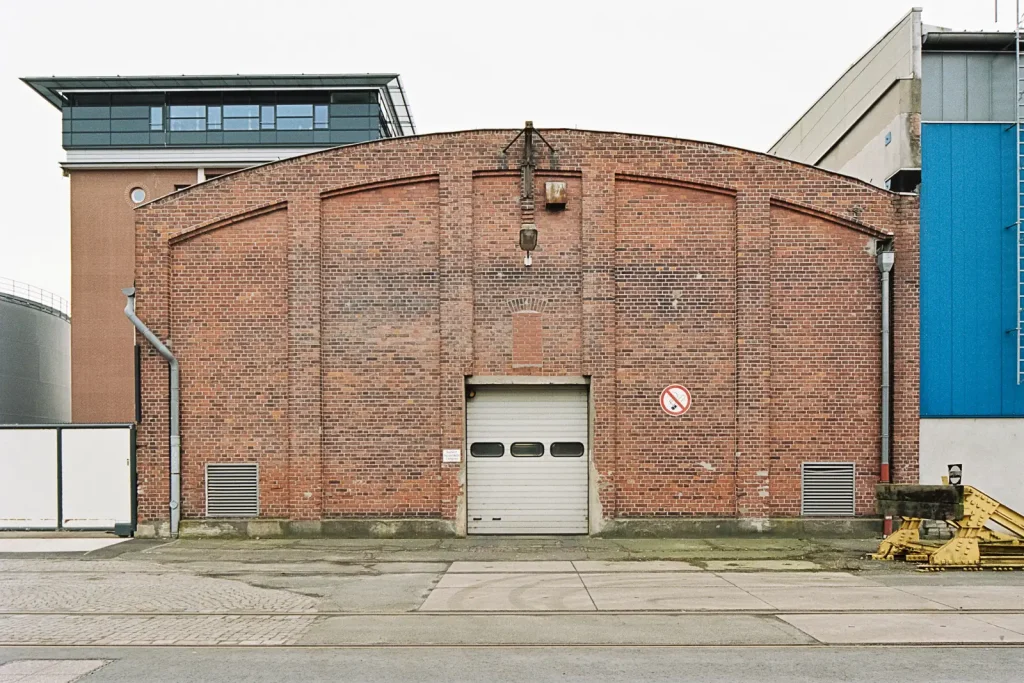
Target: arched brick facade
{"type": "Point", "coordinates": [327, 309]}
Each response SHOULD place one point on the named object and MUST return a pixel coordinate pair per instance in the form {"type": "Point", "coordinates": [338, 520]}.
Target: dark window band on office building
{"type": "Point", "coordinates": [224, 119]}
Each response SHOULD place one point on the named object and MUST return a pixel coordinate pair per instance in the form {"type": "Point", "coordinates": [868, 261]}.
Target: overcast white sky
{"type": "Point", "coordinates": [737, 72]}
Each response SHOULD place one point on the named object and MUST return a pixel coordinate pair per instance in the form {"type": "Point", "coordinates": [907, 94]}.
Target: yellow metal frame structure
{"type": "Point", "coordinates": [973, 544]}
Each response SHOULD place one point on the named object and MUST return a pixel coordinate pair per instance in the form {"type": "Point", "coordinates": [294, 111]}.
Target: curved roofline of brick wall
{"type": "Point", "coordinates": [512, 131]}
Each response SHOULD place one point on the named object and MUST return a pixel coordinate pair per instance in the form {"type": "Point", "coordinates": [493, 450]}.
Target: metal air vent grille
{"type": "Point", "coordinates": [827, 489]}
{"type": "Point", "coordinates": [232, 490]}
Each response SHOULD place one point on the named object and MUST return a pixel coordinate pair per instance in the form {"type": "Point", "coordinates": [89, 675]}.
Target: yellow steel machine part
{"type": "Point", "coordinates": [973, 545]}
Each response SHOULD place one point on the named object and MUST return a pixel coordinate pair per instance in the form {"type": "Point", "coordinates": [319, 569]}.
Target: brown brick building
{"type": "Point", "coordinates": [130, 140]}
{"type": "Point", "coordinates": [344, 318]}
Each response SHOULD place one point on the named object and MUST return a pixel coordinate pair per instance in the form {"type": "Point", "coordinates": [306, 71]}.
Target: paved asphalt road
{"type": "Point", "coordinates": [540, 665]}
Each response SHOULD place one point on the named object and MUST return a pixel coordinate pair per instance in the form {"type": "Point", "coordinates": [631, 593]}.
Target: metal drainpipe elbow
{"type": "Point", "coordinates": [175, 410]}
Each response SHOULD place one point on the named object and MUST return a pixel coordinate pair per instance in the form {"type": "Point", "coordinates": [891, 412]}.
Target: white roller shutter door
{"type": "Point", "coordinates": [547, 494]}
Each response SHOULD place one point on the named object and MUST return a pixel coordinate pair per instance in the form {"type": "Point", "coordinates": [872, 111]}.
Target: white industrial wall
{"type": "Point", "coordinates": [96, 477]}
{"type": "Point", "coordinates": [66, 477]}
{"type": "Point", "coordinates": [28, 478]}
{"type": "Point", "coordinates": [990, 449]}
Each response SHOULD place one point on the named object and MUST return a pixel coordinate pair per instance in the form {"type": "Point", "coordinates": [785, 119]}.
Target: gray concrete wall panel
{"type": "Point", "coordinates": [854, 94]}
{"type": "Point", "coordinates": [864, 151]}
{"type": "Point", "coordinates": [963, 86]}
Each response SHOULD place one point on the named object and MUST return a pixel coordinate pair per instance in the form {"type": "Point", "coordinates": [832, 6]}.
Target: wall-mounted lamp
{"type": "Point", "coordinates": [528, 240]}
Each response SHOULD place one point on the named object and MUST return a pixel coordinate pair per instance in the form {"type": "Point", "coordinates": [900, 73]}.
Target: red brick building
{"type": "Point", "coordinates": [345, 318]}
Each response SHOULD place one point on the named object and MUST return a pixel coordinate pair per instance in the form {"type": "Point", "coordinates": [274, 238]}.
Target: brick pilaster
{"type": "Point", "coordinates": [455, 293]}
{"type": "Point", "coordinates": [906, 368]}
{"type": "Point", "coordinates": [753, 354]}
{"type": "Point", "coordinates": [598, 303]}
{"type": "Point", "coordinates": [305, 462]}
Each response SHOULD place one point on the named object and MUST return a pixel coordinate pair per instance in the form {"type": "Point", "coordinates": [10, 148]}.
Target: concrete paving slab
{"type": "Point", "coordinates": [553, 629]}
{"type": "Point", "coordinates": [1011, 622]}
{"type": "Point", "coordinates": [510, 592]}
{"type": "Point", "coordinates": [514, 567]}
{"type": "Point", "coordinates": [56, 545]}
{"type": "Point", "coordinates": [593, 566]}
{"type": "Point", "coordinates": [361, 593]}
{"type": "Point", "coordinates": [690, 599]}
{"type": "Point", "coordinates": [783, 579]}
{"type": "Point", "coordinates": [866, 629]}
{"type": "Point", "coordinates": [409, 567]}
{"type": "Point", "coordinates": [549, 664]}
{"type": "Point", "coordinates": [946, 578]}
{"type": "Point", "coordinates": [761, 565]}
{"type": "Point", "coordinates": [74, 667]}
{"type": "Point", "coordinates": [679, 591]}
{"type": "Point", "coordinates": [450, 580]}
{"type": "Point", "coordinates": [971, 596]}
{"type": "Point", "coordinates": [46, 670]}
{"type": "Point", "coordinates": [653, 579]}
{"type": "Point", "coordinates": [842, 598]}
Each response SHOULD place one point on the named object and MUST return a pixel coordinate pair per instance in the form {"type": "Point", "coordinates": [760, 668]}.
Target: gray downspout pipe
{"type": "Point", "coordinates": [175, 461]}
{"type": "Point", "coordinates": [886, 259]}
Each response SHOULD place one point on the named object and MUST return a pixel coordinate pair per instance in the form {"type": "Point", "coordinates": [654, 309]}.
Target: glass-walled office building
{"type": "Point", "coordinates": [131, 119]}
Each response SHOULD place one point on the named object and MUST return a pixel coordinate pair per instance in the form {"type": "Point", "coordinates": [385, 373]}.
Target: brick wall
{"type": "Point", "coordinates": [825, 355]}
{"type": "Point", "coordinates": [675, 275]}
{"type": "Point", "coordinates": [229, 326]}
{"type": "Point", "coordinates": [381, 352]}
{"type": "Point", "coordinates": [502, 286]}
{"type": "Point", "coordinates": [368, 282]}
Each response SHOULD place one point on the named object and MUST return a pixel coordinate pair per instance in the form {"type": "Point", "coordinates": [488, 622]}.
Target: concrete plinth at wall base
{"type": "Point", "coordinates": [712, 527]}
{"type": "Point", "coordinates": [153, 530]}
{"type": "Point", "coordinates": [690, 527]}
{"type": "Point", "coordinates": [327, 528]}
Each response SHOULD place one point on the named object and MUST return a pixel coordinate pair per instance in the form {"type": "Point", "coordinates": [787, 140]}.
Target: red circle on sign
{"type": "Point", "coordinates": [675, 399]}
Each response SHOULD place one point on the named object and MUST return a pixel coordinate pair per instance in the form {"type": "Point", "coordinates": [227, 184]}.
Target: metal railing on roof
{"type": "Point", "coordinates": [23, 290]}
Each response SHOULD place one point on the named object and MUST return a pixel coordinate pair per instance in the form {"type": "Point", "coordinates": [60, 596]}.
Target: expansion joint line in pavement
{"type": "Point", "coordinates": [935, 600]}
{"type": "Point", "coordinates": [817, 645]}
{"type": "Point", "coordinates": [586, 588]}
{"type": "Point", "coordinates": [512, 613]}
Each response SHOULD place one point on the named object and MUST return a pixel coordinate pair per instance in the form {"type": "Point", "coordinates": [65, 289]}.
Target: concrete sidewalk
{"type": "Point", "coordinates": [711, 553]}
{"type": "Point", "coordinates": [487, 592]}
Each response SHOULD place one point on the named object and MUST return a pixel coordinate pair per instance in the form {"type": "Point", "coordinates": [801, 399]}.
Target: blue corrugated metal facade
{"type": "Point", "coordinates": [968, 271]}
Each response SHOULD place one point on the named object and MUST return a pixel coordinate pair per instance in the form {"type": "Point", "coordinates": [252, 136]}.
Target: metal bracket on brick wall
{"type": "Point", "coordinates": [528, 162]}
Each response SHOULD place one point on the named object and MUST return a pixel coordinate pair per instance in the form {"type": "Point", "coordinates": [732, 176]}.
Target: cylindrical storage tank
{"type": "Point", "coordinates": [35, 355]}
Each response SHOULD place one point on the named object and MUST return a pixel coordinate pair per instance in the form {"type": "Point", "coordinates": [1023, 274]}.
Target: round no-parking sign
{"type": "Point", "coordinates": [675, 399]}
